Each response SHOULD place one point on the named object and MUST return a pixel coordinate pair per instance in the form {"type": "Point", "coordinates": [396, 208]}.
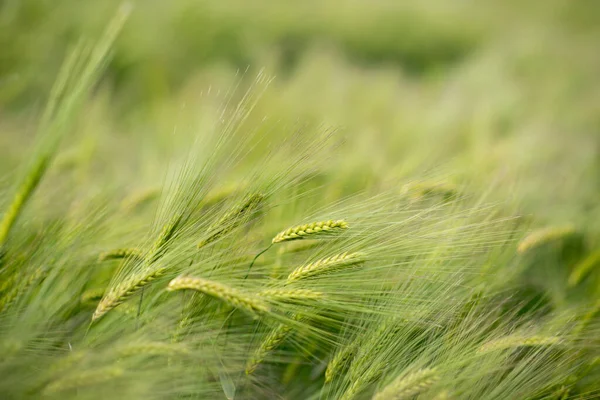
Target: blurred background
{"type": "Point", "coordinates": [500, 96]}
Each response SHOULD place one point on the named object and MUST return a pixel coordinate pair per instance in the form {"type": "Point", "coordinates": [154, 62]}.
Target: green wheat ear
{"type": "Point", "coordinates": [326, 266]}
{"type": "Point", "coordinates": [254, 305]}
{"type": "Point", "coordinates": [511, 342]}
{"type": "Point", "coordinates": [310, 230]}
{"type": "Point", "coordinates": [118, 254]}
{"type": "Point", "coordinates": [583, 268]}
{"type": "Point", "coordinates": [232, 219]}
{"type": "Point", "coordinates": [408, 386]}
{"type": "Point", "coordinates": [124, 290]}
{"type": "Point", "coordinates": [542, 236]}
{"type": "Point", "coordinates": [271, 342]}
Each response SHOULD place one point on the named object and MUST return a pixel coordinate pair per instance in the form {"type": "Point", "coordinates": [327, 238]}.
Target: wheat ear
{"type": "Point", "coordinates": [153, 349]}
{"type": "Point", "coordinates": [117, 254]}
{"type": "Point", "coordinates": [272, 341]}
{"type": "Point", "coordinates": [92, 295]}
{"type": "Point", "coordinates": [81, 379]}
{"type": "Point", "coordinates": [542, 236]}
{"type": "Point", "coordinates": [128, 287]}
{"type": "Point", "coordinates": [290, 294]}
{"type": "Point", "coordinates": [408, 386]}
{"type": "Point", "coordinates": [11, 296]}
{"type": "Point", "coordinates": [250, 303]}
{"type": "Point", "coordinates": [584, 267]}
{"type": "Point", "coordinates": [339, 361]}
{"type": "Point", "coordinates": [124, 291]}
{"type": "Point", "coordinates": [510, 342]}
{"type": "Point", "coordinates": [326, 265]}
{"type": "Point", "coordinates": [232, 219]}
{"type": "Point", "coordinates": [310, 230]}
{"type": "Point", "coordinates": [139, 198]}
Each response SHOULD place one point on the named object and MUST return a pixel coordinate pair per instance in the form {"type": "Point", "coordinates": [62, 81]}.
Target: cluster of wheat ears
{"type": "Point", "coordinates": [409, 293]}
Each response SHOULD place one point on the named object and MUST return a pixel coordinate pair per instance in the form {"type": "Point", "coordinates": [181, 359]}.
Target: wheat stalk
{"type": "Point", "coordinates": [408, 386]}
{"type": "Point", "coordinates": [233, 219]}
{"type": "Point", "coordinates": [123, 291]}
{"type": "Point", "coordinates": [310, 230]}
{"type": "Point", "coordinates": [290, 294]}
{"type": "Point", "coordinates": [510, 342]}
{"type": "Point", "coordinates": [326, 265]}
{"type": "Point", "coordinates": [229, 295]}
{"type": "Point", "coordinates": [542, 236]}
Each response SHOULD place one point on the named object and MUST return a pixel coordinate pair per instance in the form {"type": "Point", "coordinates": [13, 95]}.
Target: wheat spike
{"type": "Point", "coordinates": [233, 218]}
{"type": "Point", "coordinates": [545, 235]}
{"type": "Point", "coordinates": [339, 361]}
{"type": "Point", "coordinates": [125, 290]}
{"type": "Point", "coordinates": [129, 286]}
{"type": "Point", "coordinates": [227, 294]}
{"type": "Point", "coordinates": [290, 294]}
{"type": "Point", "coordinates": [510, 342]}
{"type": "Point", "coordinates": [584, 267]}
{"type": "Point", "coordinates": [326, 265]}
{"type": "Point", "coordinates": [81, 379]}
{"type": "Point", "coordinates": [153, 349]}
{"type": "Point", "coordinates": [163, 239]}
{"type": "Point", "coordinates": [310, 230]}
{"type": "Point", "coordinates": [32, 180]}
{"type": "Point", "coordinates": [419, 190]}
{"type": "Point", "coordinates": [408, 386]}
{"type": "Point", "coordinates": [139, 198]}
{"type": "Point", "coordinates": [117, 254]}
{"type": "Point", "coordinates": [21, 286]}
{"type": "Point", "coordinates": [273, 339]}
{"type": "Point", "coordinates": [92, 295]}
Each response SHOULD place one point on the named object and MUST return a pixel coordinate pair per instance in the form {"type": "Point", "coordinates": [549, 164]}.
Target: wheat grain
{"type": "Point", "coordinates": [310, 230]}
{"type": "Point", "coordinates": [326, 265]}
{"type": "Point", "coordinates": [229, 295]}
{"type": "Point", "coordinates": [408, 386]}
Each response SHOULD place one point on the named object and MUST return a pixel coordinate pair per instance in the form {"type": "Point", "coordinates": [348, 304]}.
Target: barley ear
{"type": "Point", "coordinates": [124, 291]}
{"type": "Point", "coordinates": [247, 302]}
{"type": "Point", "coordinates": [310, 230]}
{"type": "Point", "coordinates": [408, 386]}
{"type": "Point", "coordinates": [326, 266]}
{"type": "Point", "coordinates": [273, 340]}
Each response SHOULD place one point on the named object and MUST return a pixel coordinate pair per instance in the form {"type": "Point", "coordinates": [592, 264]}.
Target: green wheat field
{"type": "Point", "coordinates": [334, 199]}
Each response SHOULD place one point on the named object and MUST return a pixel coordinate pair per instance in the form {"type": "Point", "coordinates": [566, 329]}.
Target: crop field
{"type": "Point", "coordinates": [335, 199]}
